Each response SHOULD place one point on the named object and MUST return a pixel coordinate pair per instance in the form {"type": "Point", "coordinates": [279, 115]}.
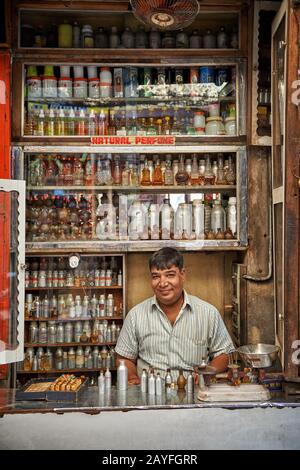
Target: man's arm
{"type": "Point", "coordinates": [133, 378]}
{"type": "Point", "coordinates": [220, 362]}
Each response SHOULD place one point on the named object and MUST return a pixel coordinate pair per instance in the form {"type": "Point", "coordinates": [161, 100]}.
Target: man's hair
{"type": "Point", "coordinates": [165, 258]}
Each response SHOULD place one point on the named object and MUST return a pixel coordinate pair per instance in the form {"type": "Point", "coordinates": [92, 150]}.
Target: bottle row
{"type": "Point", "coordinates": [130, 218]}
{"type": "Point", "coordinates": [80, 332]}
{"type": "Point", "coordinates": [65, 306]}
{"type": "Point", "coordinates": [68, 358]}
{"type": "Point", "coordinates": [128, 82]}
{"type": "Point", "coordinates": [75, 35]}
{"type": "Point", "coordinates": [154, 384]}
{"type": "Point", "coordinates": [82, 122]}
{"type": "Point", "coordinates": [73, 278]}
{"type": "Point", "coordinates": [133, 170]}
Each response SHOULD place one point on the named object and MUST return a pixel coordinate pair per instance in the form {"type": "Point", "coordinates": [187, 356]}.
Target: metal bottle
{"type": "Point", "coordinates": [144, 381]}
{"type": "Point", "coordinates": [60, 333]}
{"type": "Point", "coordinates": [101, 382]}
{"type": "Point", "coordinates": [122, 376]}
{"type": "Point", "coordinates": [151, 384]}
{"type": "Point", "coordinates": [158, 384]}
{"type": "Point", "coordinates": [95, 355]}
{"type": "Point", "coordinates": [107, 376]}
{"type": "Point", "coordinates": [190, 383]}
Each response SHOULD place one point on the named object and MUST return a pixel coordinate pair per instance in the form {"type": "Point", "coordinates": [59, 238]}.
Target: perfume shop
{"type": "Point", "coordinates": [131, 127]}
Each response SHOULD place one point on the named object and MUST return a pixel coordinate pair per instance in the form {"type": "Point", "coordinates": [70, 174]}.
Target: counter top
{"type": "Point", "coordinates": [93, 403]}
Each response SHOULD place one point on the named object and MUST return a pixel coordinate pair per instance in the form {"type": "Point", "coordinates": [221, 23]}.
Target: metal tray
{"type": "Point", "coordinates": [49, 395]}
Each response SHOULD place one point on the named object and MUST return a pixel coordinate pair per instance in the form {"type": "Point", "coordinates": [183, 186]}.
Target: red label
{"type": "Point", "coordinates": [133, 140]}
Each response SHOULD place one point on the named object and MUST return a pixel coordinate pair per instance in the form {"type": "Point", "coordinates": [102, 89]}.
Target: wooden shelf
{"type": "Point", "coordinates": [62, 371]}
{"type": "Point", "coordinates": [75, 288]}
{"type": "Point", "coordinates": [142, 189]}
{"type": "Point", "coordinates": [114, 246]}
{"type": "Point", "coordinates": [63, 345]}
{"type": "Point", "coordinates": [63, 320]}
{"type": "Point", "coordinates": [127, 56]}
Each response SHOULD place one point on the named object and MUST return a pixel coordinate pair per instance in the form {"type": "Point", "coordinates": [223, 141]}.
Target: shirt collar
{"type": "Point", "coordinates": [186, 301]}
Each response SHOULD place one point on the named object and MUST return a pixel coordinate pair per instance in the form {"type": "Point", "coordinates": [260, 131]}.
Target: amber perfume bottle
{"type": "Point", "coordinates": [169, 175]}
{"type": "Point", "coordinates": [146, 181]}
{"type": "Point", "coordinates": [157, 175]}
{"type": "Point", "coordinates": [195, 172]}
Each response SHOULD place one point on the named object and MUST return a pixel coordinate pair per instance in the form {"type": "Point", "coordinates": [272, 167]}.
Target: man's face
{"type": "Point", "coordinates": [167, 284]}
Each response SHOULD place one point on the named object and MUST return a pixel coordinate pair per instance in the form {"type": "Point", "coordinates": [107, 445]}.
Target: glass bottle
{"type": "Point", "coordinates": [78, 173]}
{"type": "Point", "coordinates": [209, 177]}
{"type": "Point", "coordinates": [194, 178]}
{"type": "Point", "coordinates": [182, 176]}
{"type": "Point", "coordinates": [230, 172]}
{"type": "Point", "coordinates": [181, 380]}
{"type": "Point", "coordinates": [166, 126]}
{"type": "Point", "coordinates": [117, 175]}
{"type": "Point", "coordinates": [201, 171]}
{"type": "Point", "coordinates": [146, 180]}
{"type": "Point", "coordinates": [151, 130]}
{"type": "Point", "coordinates": [127, 38]}
{"type": "Point", "coordinates": [222, 38]}
{"type": "Point", "coordinates": [175, 167]}
{"type": "Point", "coordinates": [114, 40]}
{"type": "Point", "coordinates": [141, 39]}
{"type": "Point", "coordinates": [125, 175]}
{"type": "Point", "coordinates": [220, 173]}
{"type": "Point", "coordinates": [157, 175]}
{"type": "Point", "coordinates": [218, 217]}
{"type": "Point", "coordinates": [169, 176]}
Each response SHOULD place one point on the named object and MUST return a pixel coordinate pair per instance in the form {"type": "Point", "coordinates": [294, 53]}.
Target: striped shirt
{"type": "Point", "coordinates": [148, 336]}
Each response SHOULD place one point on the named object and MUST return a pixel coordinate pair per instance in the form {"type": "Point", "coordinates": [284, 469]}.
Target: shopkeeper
{"type": "Point", "coordinates": [173, 329]}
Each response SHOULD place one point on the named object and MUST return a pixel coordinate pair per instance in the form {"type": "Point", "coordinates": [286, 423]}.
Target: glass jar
{"type": "Point", "coordinates": [182, 40]}
{"type": "Point", "coordinates": [114, 40]}
{"type": "Point", "coordinates": [128, 38]}
{"type": "Point", "coordinates": [218, 217]}
{"type": "Point", "coordinates": [94, 88]}
{"type": "Point", "coordinates": [199, 122]}
{"type": "Point", "coordinates": [65, 87]}
{"type": "Point", "coordinates": [230, 126]}
{"type": "Point", "coordinates": [222, 39]}
{"type": "Point", "coordinates": [214, 126]}
{"type": "Point", "coordinates": [34, 87]}
{"type": "Point", "coordinates": [87, 36]}
{"type": "Point", "coordinates": [65, 35]}
{"type": "Point", "coordinates": [195, 40]}
{"type": "Point", "coordinates": [80, 88]}
{"type": "Point", "coordinates": [49, 87]}
{"type": "Point", "coordinates": [168, 41]}
{"type": "Point", "coordinates": [101, 39]}
{"type": "Point", "coordinates": [141, 39]}
{"type": "Point", "coordinates": [154, 39]}
{"type": "Point", "coordinates": [209, 40]}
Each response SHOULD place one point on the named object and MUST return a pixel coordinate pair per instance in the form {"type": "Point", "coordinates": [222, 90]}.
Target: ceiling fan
{"type": "Point", "coordinates": [165, 14]}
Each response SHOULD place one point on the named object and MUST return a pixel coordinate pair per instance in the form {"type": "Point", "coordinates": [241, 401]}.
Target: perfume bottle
{"type": "Point", "coordinates": [182, 177]}
{"type": "Point", "coordinates": [146, 180]}
{"type": "Point", "coordinates": [194, 178]}
{"type": "Point", "coordinates": [169, 176]}
{"type": "Point", "coordinates": [209, 177]}
{"type": "Point", "coordinates": [157, 175]}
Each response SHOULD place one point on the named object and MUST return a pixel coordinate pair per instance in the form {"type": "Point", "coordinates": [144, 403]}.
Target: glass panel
{"type": "Point", "coordinates": [74, 312]}
{"type": "Point", "coordinates": [279, 104]}
{"type": "Point", "coordinates": [9, 285]}
{"type": "Point", "coordinates": [278, 254]}
{"type": "Point", "coordinates": [131, 197]}
{"type": "Point", "coordinates": [118, 101]}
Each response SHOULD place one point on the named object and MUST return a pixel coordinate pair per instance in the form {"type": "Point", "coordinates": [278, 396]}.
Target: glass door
{"type": "Point", "coordinates": [12, 270]}
{"type": "Point", "coordinates": [279, 40]}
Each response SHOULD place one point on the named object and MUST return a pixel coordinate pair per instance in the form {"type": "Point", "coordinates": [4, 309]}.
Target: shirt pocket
{"type": "Point", "coordinates": [196, 350]}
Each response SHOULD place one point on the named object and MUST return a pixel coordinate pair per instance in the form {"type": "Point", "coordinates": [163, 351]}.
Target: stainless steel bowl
{"type": "Point", "coordinates": [258, 355]}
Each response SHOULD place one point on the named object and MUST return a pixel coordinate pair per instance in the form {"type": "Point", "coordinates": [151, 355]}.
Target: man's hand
{"type": "Point", "coordinates": [133, 380]}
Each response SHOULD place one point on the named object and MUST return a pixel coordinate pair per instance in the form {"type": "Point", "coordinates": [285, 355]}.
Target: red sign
{"type": "Point", "coordinates": [133, 140]}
